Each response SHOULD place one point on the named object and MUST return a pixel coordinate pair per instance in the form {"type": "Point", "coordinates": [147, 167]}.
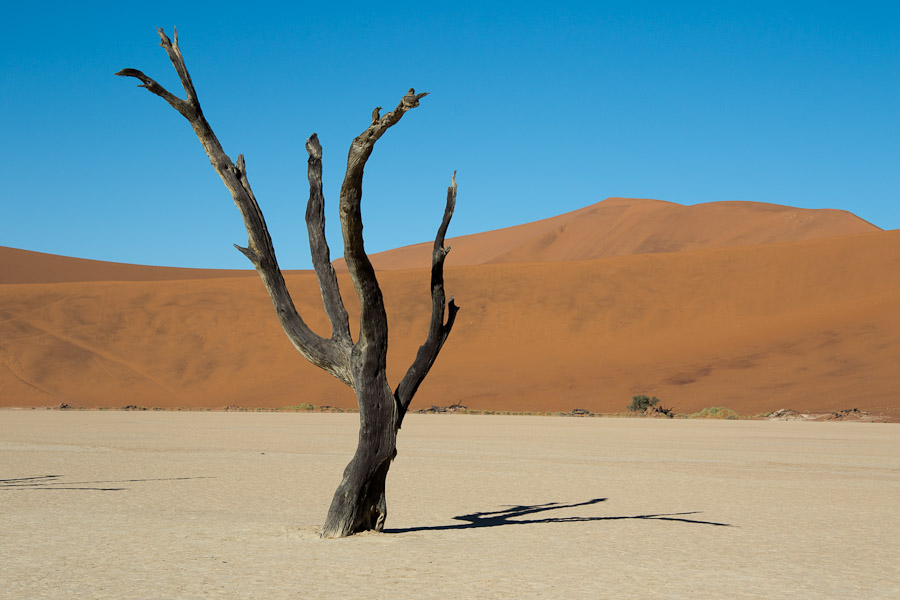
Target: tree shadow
{"type": "Point", "coordinates": [54, 482]}
{"type": "Point", "coordinates": [508, 516]}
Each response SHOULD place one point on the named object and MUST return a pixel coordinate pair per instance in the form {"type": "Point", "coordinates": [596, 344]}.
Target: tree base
{"type": "Point", "coordinates": [359, 503]}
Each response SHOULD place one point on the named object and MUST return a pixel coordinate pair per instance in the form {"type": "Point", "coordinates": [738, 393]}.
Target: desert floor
{"type": "Point", "coordinates": [227, 505]}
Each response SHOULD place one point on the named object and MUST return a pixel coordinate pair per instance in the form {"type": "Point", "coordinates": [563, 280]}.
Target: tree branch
{"type": "Point", "coordinates": [373, 319]}
{"type": "Point", "coordinates": [177, 103]}
{"type": "Point", "coordinates": [438, 330]}
{"type": "Point", "coordinates": [318, 246]}
{"type": "Point", "coordinates": [322, 352]}
{"type": "Point", "coordinates": [190, 108]}
{"type": "Point", "coordinates": [178, 61]}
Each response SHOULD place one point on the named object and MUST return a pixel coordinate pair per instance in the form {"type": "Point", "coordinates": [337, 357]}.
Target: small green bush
{"type": "Point", "coordinates": [642, 403]}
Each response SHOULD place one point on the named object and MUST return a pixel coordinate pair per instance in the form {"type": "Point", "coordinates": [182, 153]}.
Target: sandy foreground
{"type": "Point", "coordinates": [227, 505]}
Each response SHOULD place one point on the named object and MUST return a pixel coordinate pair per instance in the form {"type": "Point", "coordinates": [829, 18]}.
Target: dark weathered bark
{"type": "Point", "coordinates": [322, 352]}
{"type": "Point", "coordinates": [318, 246]}
{"type": "Point", "coordinates": [438, 330]}
{"type": "Point", "coordinates": [359, 503]}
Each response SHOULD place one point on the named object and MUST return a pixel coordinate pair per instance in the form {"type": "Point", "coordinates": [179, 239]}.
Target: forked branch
{"type": "Point", "coordinates": [328, 354]}
{"type": "Point", "coordinates": [334, 355]}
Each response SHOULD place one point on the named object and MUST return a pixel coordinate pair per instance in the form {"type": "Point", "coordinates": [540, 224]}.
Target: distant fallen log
{"type": "Point", "coordinates": [439, 410]}
{"type": "Point", "coordinates": [655, 411]}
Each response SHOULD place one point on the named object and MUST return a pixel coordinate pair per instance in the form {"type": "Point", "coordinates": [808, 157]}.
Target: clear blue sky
{"type": "Point", "coordinates": [542, 107]}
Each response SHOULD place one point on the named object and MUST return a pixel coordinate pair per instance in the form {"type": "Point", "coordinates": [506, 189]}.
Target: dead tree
{"type": "Point", "coordinates": [359, 502]}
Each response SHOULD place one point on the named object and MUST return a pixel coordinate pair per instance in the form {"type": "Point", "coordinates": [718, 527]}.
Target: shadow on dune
{"type": "Point", "coordinates": [53, 482]}
{"type": "Point", "coordinates": [509, 516]}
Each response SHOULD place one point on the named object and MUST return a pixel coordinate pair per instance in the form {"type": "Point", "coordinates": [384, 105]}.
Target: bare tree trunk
{"type": "Point", "coordinates": [359, 503]}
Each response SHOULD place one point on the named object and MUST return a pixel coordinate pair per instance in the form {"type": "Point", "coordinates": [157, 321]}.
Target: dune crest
{"type": "Point", "coordinates": [27, 266]}
{"type": "Point", "coordinates": [625, 226]}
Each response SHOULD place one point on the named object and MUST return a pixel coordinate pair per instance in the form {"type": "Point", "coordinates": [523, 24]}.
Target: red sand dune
{"type": "Point", "coordinates": [25, 266]}
{"type": "Point", "coordinates": [622, 226]}
{"type": "Point", "coordinates": [808, 324]}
